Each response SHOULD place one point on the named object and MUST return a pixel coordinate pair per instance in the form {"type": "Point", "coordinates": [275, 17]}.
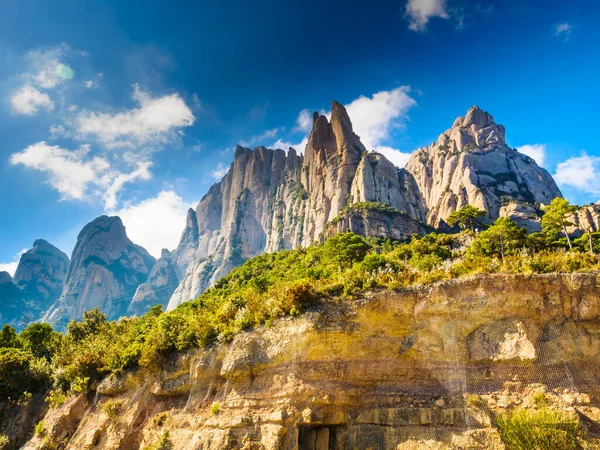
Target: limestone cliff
{"type": "Point", "coordinates": [471, 164]}
{"type": "Point", "coordinates": [105, 270]}
{"type": "Point", "coordinates": [427, 367]}
{"type": "Point", "coordinates": [270, 201]}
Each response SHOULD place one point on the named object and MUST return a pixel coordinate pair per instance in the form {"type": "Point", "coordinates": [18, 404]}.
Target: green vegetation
{"type": "Point", "coordinates": [540, 429]}
{"type": "Point", "coordinates": [40, 429]}
{"type": "Point", "coordinates": [263, 289]}
{"type": "Point", "coordinates": [555, 218]}
{"type": "Point", "coordinates": [164, 442]}
{"type": "Point", "coordinates": [362, 207]}
{"type": "Point", "coordinates": [215, 408]}
{"type": "Point", "coordinates": [111, 408]}
{"type": "Point", "coordinates": [466, 218]}
{"type": "Point", "coordinates": [4, 442]}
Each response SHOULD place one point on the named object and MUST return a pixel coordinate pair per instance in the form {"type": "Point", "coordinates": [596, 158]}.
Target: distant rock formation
{"type": "Point", "coordinates": [106, 269]}
{"type": "Point", "coordinates": [471, 164]}
{"type": "Point", "coordinates": [11, 301]}
{"type": "Point", "coordinates": [41, 275]}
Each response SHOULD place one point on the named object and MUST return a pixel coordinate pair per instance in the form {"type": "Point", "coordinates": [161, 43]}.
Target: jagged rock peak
{"type": "Point", "coordinates": [105, 270]}
{"type": "Point", "coordinates": [470, 163]}
{"type": "Point", "coordinates": [40, 274]}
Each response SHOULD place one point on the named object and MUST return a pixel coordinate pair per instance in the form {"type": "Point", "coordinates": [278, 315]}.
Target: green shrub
{"type": "Point", "coordinates": [112, 408]}
{"type": "Point", "coordinates": [4, 442]}
{"type": "Point", "coordinates": [40, 429]}
{"type": "Point", "coordinates": [541, 429]}
{"type": "Point", "coordinates": [16, 376]}
{"type": "Point", "coordinates": [56, 398]}
{"type": "Point", "coordinates": [164, 443]}
{"type": "Point", "coordinates": [215, 408]}
{"type": "Point", "coordinates": [160, 420]}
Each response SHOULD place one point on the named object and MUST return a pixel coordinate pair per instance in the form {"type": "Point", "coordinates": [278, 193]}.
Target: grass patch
{"type": "Point", "coordinates": [540, 429]}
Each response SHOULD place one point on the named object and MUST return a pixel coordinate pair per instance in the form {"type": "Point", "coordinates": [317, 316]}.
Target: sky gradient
{"type": "Point", "coordinates": [135, 108]}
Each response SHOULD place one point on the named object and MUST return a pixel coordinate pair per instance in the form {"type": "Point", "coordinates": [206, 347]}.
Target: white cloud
{"type": "Point", "coordinates": [94, 82]}
{"type": "Point", "coordinates": [115, 182]}
{"type": "Point", "coordinates": [284, 145]}
{"type": "Point", "coordinates": [74, 173]}
{"type": "Point", "coordinates": [580, 172]}
{"type": "Point", "coordinates": [260, 138]}
{"type": "Point", "coordinates": [11, 267]}
{"type": "Point", "coordinates": [155, 122]}
{"type": "Point", "coordinates": [46, 67]}
{"type": "Point", "coordinates": [398, 158]}
{"type": "Point", "coordinates": [28, 100]}
{"type": "Point", "coordinates": [563, 29]}
{"type": "Point", "coordinates": [156, 223]}
{"type": "Point", "coordinates": [535, 151]}
{"type": "Point", "coordinates": [57, 131]}
{"type": "Point", "coordinates": [375, 119]}
{"type": "Point", "coordinates": [219, 172]}
{"type": "Point", "coordinates": [304, 121]}
{"type": "Point", "coordinates": [420, 11]}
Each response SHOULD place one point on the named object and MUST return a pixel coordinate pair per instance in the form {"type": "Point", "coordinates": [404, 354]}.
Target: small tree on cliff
{"type": "Point", "coordinates": [555, 218]}
{"type": "Point", "coordinates": [466, 217]}
{"type": "Point", "coordinates": [503, 237]}
{"type": "Point", "coordinates": [346, 249]}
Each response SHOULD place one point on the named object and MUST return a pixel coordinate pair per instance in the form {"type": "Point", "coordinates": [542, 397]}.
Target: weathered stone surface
{"type": "Point", "coordinates": [478, 346]}
{"type": "Point", "coordinates": [270, 201]}
{"type": "Point", "coordinates": [105, 270]}
{"type": "Point", "coordinates": [471, 164]}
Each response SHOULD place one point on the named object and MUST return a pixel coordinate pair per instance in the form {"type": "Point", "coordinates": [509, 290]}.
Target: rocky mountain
{"type": "Point", "coordinates": [270, 201]}
{"type": "Point", "coordinates": [106, 269]}
{"type": "Point", "coordinates": [37, 283]}
{"type": "Point", "coordinates": [41, 275]}
{"type": "Point", "coordinates": [470, 163]}
{"type": "Point", "coordinates": [11, 301]}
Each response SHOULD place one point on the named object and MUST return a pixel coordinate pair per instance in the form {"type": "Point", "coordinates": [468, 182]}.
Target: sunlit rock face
{"type": "Point", "coordinates": [470, 163]}
{"type": "Point", "coordinates": [105, 270]}
{"type": "Point", "coordinates": [428, 367]}
{"type": "Point", "coordinates": [271, 200]}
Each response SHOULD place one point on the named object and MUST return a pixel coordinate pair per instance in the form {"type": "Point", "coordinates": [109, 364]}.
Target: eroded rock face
{"type": "Point", "coordinates": [471, 164]}
{"type": "Point", "coordinates": [427, 367]}
{"type": "Point", "coordinates": [270, 201]}
{"type": "Point", "coordinates": [105, 270]}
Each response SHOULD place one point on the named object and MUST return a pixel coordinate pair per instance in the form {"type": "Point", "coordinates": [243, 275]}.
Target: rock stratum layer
{"type": "Point", "coordinates": [448, 357]}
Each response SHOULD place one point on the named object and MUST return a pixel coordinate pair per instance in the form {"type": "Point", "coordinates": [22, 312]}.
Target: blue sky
{"type": "Point", "coordinates": [134, 107]}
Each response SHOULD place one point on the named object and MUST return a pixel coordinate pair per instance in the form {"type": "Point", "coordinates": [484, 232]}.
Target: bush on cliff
{"type": "Point", "coordinates": [540, 429]}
